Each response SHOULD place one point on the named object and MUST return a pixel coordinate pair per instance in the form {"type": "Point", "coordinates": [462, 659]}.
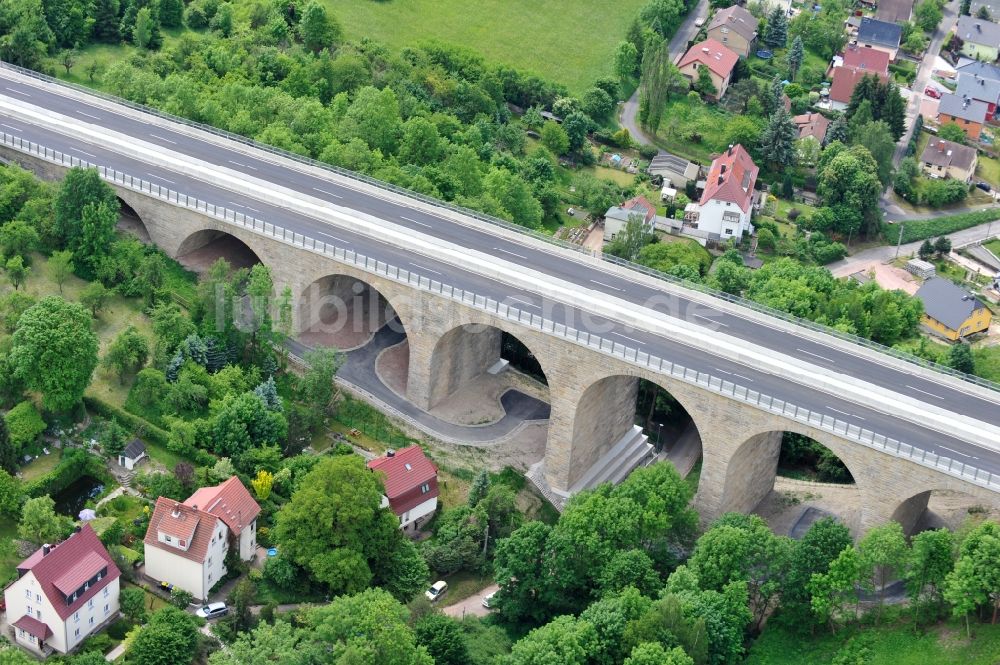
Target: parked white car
{"type": "Point", "coordinates": [437, 590]}
{"type": "Point", "coordinates": [212, 611]}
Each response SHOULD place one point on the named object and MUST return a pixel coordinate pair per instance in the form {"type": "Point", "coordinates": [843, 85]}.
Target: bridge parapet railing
{"type": "Point", "coordinates": [501, 223]}
{"type": "Point", "coordinates": [495, 308]}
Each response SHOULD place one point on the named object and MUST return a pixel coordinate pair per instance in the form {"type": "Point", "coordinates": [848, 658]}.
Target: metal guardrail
{"type": "Point", "coordinates": [495, 308]}
{"type": "Point", "coordinates": [495, 221]}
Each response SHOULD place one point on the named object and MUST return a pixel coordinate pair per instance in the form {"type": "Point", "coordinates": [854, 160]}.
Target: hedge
{"type": "Point", "coordinates": [922, 229]}
{"type": "Point", "coordinates": [24, 424]}
{"type": "Point", "coordinates": [75, 464]}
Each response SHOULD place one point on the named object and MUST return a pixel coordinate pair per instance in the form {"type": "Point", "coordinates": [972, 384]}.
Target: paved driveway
{"type": "Point", "coordinates": [471, 606]}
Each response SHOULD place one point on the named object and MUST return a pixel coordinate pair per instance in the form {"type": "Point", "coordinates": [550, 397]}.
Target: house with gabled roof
{"type": "Point", "coordinates": [880, 35]}
{"type": "Point", "coordinates": [726, 205]}
{"type": "Point", "coordinates": [411, 485]}
{"type": "Point", "coordinates": [946, 159]}
{"type": "Point", "coordinates": [980, 39]}
{"type": "Point", "coordinates": [63, 593]}
{"type": "Point", "coordinates": [719, 60]}
{"type": "Point", "coordinates": [187, 543]}
{"type": "Point", "coordinates": [735, 28]}
{"type": "Point", "coordinates": [617, 217]}
{"type": "Point", "coordinates": [951, 311]}
{"type": "Point", "coordinates": [969, 114]}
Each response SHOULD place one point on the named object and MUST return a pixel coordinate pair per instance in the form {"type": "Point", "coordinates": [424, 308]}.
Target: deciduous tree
{"type": "Point", "coordinates": [39, 522]}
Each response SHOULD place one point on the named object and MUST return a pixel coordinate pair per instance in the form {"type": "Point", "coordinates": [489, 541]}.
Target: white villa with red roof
{"type": "Point", "coordinates": [411, 486]}
{"type": "Point", "coordinates": [187, 543]}
{"type": "Point", "coordinates": [63, 593]}
{"type": "Point", "coordinates": [726, 205]}
{"type": "Point", "coordinates": [719, 60]}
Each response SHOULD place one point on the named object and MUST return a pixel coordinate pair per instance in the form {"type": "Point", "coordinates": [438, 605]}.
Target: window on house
{"type": "Point", "coordinates": [107, 608]}
{"type": "Point", "coordinates": [425, 488]}
{"type": "Point", "coordinates": [168, 539]}
{"type": "Point", "coordinates": [38, 613]}
{"type": "Point", "coordinates": [76, 617]}
{"type": "Point", "coordinates": [30, 610]}
{"type": "Point", "coordinates": [90, 603]}
{"type": "Point", "coordinates": [27, 594]}
{"type": "Point", "coordinates": [20, 632]}
{"type": "Point", "coordinates": [76, 632]}
{"type": "Point", "coordinates": [91, 622]}
{"type": "Point", "coordinates": [106, 590]}
{"type": "Point", "coordinates": [183, 543]}
{"type": "Point", "coordinates": [210, 577]}
{"type": "Point", "coordinates": [729, 232]}
{"type": "Point", "coordinates": [210, 561]}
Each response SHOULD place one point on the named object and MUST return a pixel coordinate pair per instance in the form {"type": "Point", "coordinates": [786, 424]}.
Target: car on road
{"type": "Point", "coordinates": [487, 599]}
{"type": "Point", "coordinates": [932, 92]}
{"type": "Point", "coordinates": [212, 611]}
{"type": "Point", "coordinates": [437, 590]}
{"type": "Point", "coordinates": [700, 21]}
{"type": "Point", "coordinates": [985, 186]}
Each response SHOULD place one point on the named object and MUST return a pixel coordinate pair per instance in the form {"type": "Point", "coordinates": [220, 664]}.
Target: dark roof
{"type": "Point", "coordinates": [992, 6]}
{"type": "Point", "coordinates": [948, 303]}
{"type": "Point", "coordinates": [983, 69]}
{"type": "Point", "coordinates": [666, 161]}
{"type": "Point", "coordinates": [946, 153]}
{"type": "Point", "coordinates": [229, 501]}
{"type": "Point", "coordinates": [978, 87]}
{"type": "Point", "coordinates": [66, 563]}
{"type": "Point", "coordinates": [894, 11]}
{"type": "Point", "coordinates": [737, 19]}
{"type": "Point", "coordinates": [134, 449]}
{"type": "Point", "coordinates": [978, 31]}
{"type": "Point", "coordinates": [966, 109]}
{"type": "Point", "coordinates": [874, 31]}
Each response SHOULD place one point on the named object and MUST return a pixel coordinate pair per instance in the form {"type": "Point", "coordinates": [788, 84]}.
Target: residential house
{"type": "Point", "coordinates": [617, 217]}
{"type": "Point", "coordinates": [894, 11]}
{"type": "Point", "coordinates": [187, 543]}
{"type": "Point", "coordinates": [980, 39]}
{"type": "Point", "coordinates": [673, 169]}
{"type": "Point", "coordinates": [850, 67]}
{"type": "Point", "coordinates": [727, 203]}
{"type": "Point", "coordinates": [133, 453]}
{"type": "Point", "coordinates": [719, 60]}
{"type": "Point", "coordinates": [950, 311]}
{"type": "Point", "coordinates": [983, 69]}
{"type": "Point", "coordinates": [945, 159]}
{"type": "Point", "coordinates": [812, 125]}
{"type": "Point", "coordinates": [411, 486]}
{"type": "Point", "coordinates": [992, 8]}
{"type": "Point", "coordinates": [967, 113]}
{"type": "Point", "coordinates": [63, 594]}
{"type": "Point", "coordinates": [978, 87]}
{"type": "Point", "coordinates": [735, 28]}
{"type": "Point", "coordinates": [880, 35]}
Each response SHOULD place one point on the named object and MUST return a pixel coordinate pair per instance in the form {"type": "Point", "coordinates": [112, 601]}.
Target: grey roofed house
{"type": "Point", "coordinates": [673, 168]}
{"type": "Point", "coordinates": [940, 152]}
{"type": "Point", "coordinates": [873, 31]}
{"type": "Point", "coordinates": [981, 69]}
{"type": "Point", "coordinates": [135, 449]}
{"type": "Point", "coordinates": [894, 11]}
{"type": "Point", "coordinates": [992, 6]}
{"type": "Point", "coordinates": [966, 109]}
{"type": "Point", "coordinates": [978, 87]}
{"type": "Point", "coordinates": [978, 31]}
{"type": "Point", "coordinates": [737, 19]}
{"type": "Point", "coordinates": [948, 303]}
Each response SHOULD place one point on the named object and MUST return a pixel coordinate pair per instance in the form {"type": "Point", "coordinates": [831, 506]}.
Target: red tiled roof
{"type": "Point", "coordinates": [60, 565]}
{"type": "Point", "coordinates": [846, 78]}
{"type": "Point", "coordinates": [731, 178]}
{"type": "Point", "coordinates": [713, 55]}
{"type": "Point", "coordinates": [641, 203]}
{"type": "Point", "coordinates": [812, 124]}
{"type": "Point", "coordinates": [869, 59]}
{"type": "Point", "coordinates": [33, 626]}
{"type": "Point", "coordinates": [230, 502]}
{"type": "Point", "coordinates": [163, 520]}
{"type": "Point", "coordinates": [405, 471]}
{"type": "Point", "coordinates": [85, 568]}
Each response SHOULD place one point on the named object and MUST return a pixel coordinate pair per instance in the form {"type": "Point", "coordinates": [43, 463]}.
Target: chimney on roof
{"type": "Point", "coordinates": [195, 506]}
{"type": "Point", "coordinates": [979, 28]}
{"type": "Point", "coordinates": [721, 179]}
{"type": "Point", "coordinates": [390, 453]}
{"type": "Point", "coordinates": [730, 149]}
{"type": "Point", "coordinates": [176, 512]}
{"type": "Point", "coordinates": [704, 49]}
{"type": "Point", "coordinates": [77, 529]}
{"type": "Point", "coordinates": [46, 548]}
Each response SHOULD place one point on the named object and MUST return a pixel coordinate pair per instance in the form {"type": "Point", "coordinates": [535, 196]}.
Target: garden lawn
{"type": "Point", "coordinates": [693, 129]}
{"type": "Point", "coordinates": [988, 169]}
{"type": "Point", "coordinates": [153, 602]}
{"type": "Point", "coordinates": [987, 362]}
{"type": "Point", "coordinates": [571, 42]}
{"type": "Point", "coordinates": [40, 466]}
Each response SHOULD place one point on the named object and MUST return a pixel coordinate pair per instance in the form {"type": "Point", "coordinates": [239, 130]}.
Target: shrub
{"type": "Point", "coordinates": [648, 151]}
{"type": "Point", "coordinates": [25, 425]}
{"type": "Point", "coordinates": [931, 228]}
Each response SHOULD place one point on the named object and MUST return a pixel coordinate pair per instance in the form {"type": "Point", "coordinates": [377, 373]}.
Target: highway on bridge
{"type": "Point", "coordinates": [610, 283]}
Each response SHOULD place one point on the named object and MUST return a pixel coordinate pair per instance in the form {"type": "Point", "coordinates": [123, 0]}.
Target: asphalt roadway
{"type": "Point", "coordinates": [874, 415]}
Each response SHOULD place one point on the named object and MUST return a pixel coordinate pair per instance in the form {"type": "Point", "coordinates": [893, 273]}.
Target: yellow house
{"type": "Point", "coordinates": [950, 311]}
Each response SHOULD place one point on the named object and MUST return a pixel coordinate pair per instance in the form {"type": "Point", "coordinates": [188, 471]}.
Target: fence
{"type": "Point", "coordinates": [495, 221]}
{"type": "Point", "coordinates": [500, 310]}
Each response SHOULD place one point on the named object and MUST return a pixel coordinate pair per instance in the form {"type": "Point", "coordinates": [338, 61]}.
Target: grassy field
{"type": "Point", "coordinates": [566, 41]}
{"type": "Point", "coordinates": [892, 645]}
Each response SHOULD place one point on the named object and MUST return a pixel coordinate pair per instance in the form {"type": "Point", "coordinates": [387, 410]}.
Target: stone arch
{"type": "Point", "coordinates": [131, 222]}
{"type": "Point", "coordinates": [344, 311]}
{"type": "Point", "coordinates": [199, 250]}
{"type": "Point", "coordinates": [938, 506]}
{"type": "Point", "coordinates": [605, 423]}
{"type": "Point", "coordinates": [752, 467]}
{"type": "Point", "coordinates": [468, 351]}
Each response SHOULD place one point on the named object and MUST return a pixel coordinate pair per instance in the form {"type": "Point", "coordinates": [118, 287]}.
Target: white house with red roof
{"type": "Point", "coordinates": [63, 593]}
{"type": "Point", "coordinates": [726, 205]}
{"type": "Point", "coordinates": [617, 217]}
{"type": "Point", "coordinates": [187, 543]}
{"type": "Point", "coordinates": [411, 486]}
{"type": "Point", "coordinates": [719, 60]}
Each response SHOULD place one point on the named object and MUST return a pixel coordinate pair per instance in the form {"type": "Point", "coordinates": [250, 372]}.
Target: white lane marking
{"type": "Point", "coordinates": [845, 413]}
{"type": "Point", "coordinates": [739, 376]}
{"type": "Point", "coordinates": [245, 166]}
{"type": "Point", "coordinates": [159, 177]}
{"type": "Point", "coordinates": [415, 222]}
{"type": "Point", "coordinates": [497, 249]}
{"type": "Point", "coordinates": [88, 115]}
{"type": "Point", "coordinates": [631, 339]}
{"type": "Point", "coordinates": [240, 205]}
{"type": "Point", "coordinates": [952, 450]}
{"type": "Point", "coordinates": [924, 392]}
{"type": "Point", "coordinates": [83, 152]}
{"type": "Point", "coordinates": [523, 302]}
{"type": "Point", "coordinates": [18, 92]}
{"type": "Point", "coordinates": [606, 285]}
{"type": "Point", "coordinates": [163, 139]}
{"type": "Point", "coordinates": [16, 129]}
{"type": "Point", "coordinates": [323, 191]}
{"type": "Point", "coordinates": [815, 354]}
{"type": "Point", "coordinates": [420, 267]}
{"type": "Point", "coordinates": [346, 242]}
{"type": "Point", "coordinates": [711, 320]}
